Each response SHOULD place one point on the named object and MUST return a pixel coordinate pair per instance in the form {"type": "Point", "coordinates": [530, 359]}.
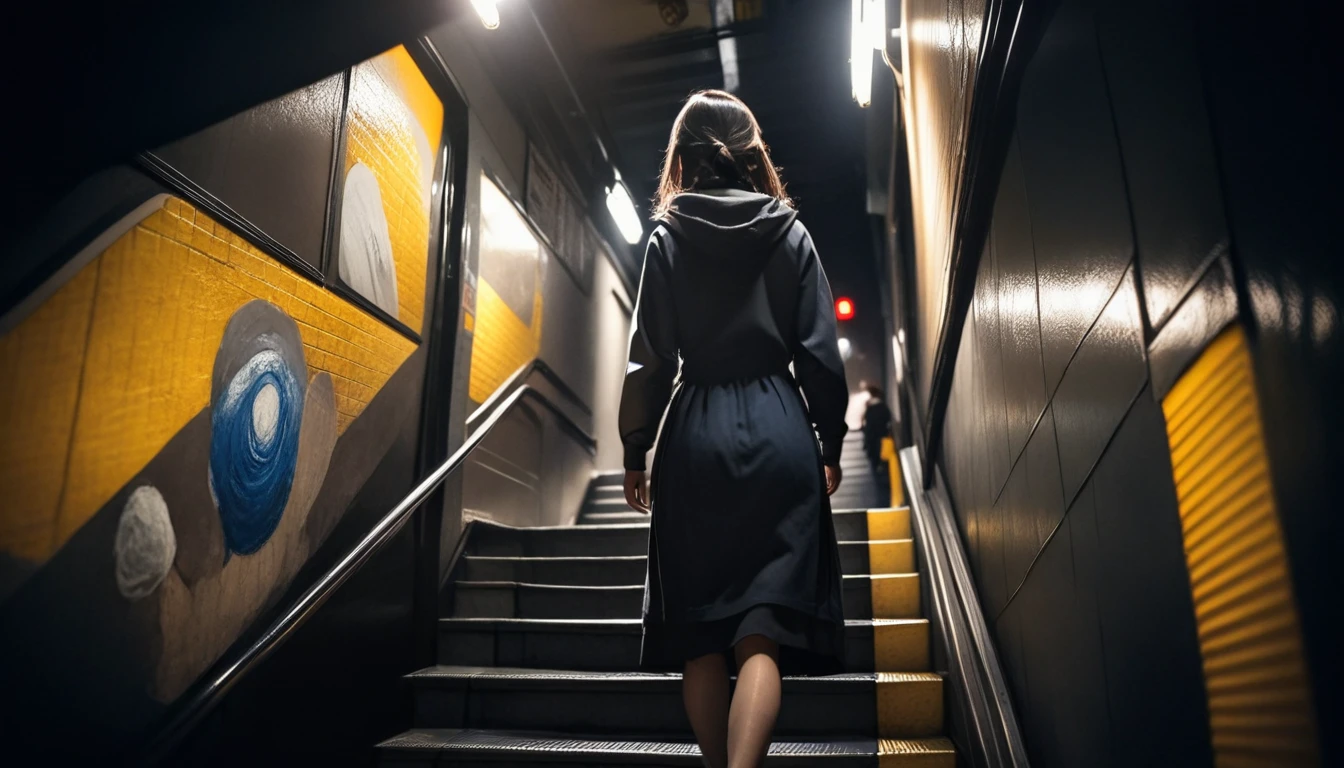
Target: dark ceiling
{"type": "Point", "coordinates": [793, 60]}
{"type": "Point", "coordinates": [633, 72]}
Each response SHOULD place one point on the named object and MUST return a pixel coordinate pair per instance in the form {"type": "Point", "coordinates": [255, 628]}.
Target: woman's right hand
{"type": "Point", "coordinates": [637, 490]}
{"type": "Point", "coordinates": [833, 475]}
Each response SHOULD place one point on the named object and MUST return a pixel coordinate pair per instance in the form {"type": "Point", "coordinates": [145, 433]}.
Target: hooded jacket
{"type": "Point", "coordinates": [732, 290]}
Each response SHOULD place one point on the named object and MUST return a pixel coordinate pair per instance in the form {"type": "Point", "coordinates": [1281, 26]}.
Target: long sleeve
{"type": "Point", "coordinates": [816, 362]}
{"type": "Point", "coordinates": [652, 362]}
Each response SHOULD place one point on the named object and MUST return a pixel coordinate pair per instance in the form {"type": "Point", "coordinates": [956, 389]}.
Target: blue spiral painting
{"type": "Point", "coordinates": [256, 412]}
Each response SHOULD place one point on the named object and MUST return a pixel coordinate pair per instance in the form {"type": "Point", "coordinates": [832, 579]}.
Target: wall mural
{"type": "Point", "coordinates": [395, 120]}
{"type": "Point", "coordinates": [173, 449]}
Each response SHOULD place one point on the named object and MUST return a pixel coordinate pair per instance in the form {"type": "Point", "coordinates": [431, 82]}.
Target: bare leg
{"type": "Point", "coordinates": [755, 702]}
{"type": "Point", "coordinates": [704, 690]}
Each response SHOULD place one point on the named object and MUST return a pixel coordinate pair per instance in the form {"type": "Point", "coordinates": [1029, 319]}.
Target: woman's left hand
{"type": "Point", "coordinates": [637, 490]}
{"type": "Point", "coordinates": [833, 476]}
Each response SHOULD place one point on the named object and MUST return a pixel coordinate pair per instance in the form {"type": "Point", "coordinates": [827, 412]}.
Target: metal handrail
{"type": "Point", "coordinates": [208, 692]}
{"type": "Point", "coordinates": [962, 624]}
{"type": "Point", "coordinates": [520, 376]}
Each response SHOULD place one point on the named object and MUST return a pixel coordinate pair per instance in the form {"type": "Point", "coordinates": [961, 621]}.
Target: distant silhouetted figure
{"type": "Point", "coordinates": [876, 427]}
{"type": "Point", "coordinates": [743, 562]}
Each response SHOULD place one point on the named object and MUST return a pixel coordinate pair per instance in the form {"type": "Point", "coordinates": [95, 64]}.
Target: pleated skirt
{"type": "Point", "coordinates": [741, 541]}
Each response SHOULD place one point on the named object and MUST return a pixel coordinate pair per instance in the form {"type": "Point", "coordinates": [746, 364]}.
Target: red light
{"type": "Point", "coordinates": [844, 308]}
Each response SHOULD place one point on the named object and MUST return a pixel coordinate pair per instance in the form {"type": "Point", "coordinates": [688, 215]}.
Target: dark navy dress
{"type": "Point", "coordinates": [732, 298]}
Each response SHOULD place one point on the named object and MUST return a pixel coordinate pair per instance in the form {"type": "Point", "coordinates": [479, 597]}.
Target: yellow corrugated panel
{"type": "Point", "coordinates": [1255, 674]}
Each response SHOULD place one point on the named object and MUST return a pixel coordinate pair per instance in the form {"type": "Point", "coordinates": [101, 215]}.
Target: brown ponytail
{"type": "Point", "coordinates": [716, 138]}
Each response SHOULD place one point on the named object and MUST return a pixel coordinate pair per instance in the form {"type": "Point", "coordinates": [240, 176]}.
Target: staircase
{"type": "Point", "coordinates": [538, 659]}
{"type": "Point", "coordinates": [858, 489]}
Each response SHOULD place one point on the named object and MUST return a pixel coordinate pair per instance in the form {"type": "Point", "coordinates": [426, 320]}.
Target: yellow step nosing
{"type": "Point", "coordinates": [901, 646]}
{"type": "Point", "coordinates": [888, 523]}
{"type": "Point", "coordinates": [907, 575]}
{"type": "Point", "coordinates": [937, 752]}
{"type": "Point", "coordinates": [896, 678]}
{"type": "Point", "coordinates": [935, 744]}
{"type": "Point", "coordinates": [909, 704]}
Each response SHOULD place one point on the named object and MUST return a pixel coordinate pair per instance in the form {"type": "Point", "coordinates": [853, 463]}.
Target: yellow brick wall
{"type": "Point", "coordinates": [107, 370]}
{"type": "Point", "coordinates": [503, 342]}
{"type": "Point", "coordinates": [389, 101]}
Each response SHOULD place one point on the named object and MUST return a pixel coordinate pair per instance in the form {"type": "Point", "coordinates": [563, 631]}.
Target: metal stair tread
{"type": "Point", "coordinates": [561, 558]}
{"type": "Point", "coordinates": [507, 621]}
{"type": "Point", "coordinates": [489, 678]}
{"type": "Point", "coordinates": [551, 528]}
{"type": "Point", "coordinates": [503, 584]}
{"type": "Point", "coordinates": [478, 741]}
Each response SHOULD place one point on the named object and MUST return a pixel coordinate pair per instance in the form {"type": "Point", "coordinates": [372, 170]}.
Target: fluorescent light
{"type": "Point", "coordinates": [875, 19]}
{"type": "Point", "coordinates": [723, 16]}
{"type": "Point", "coordinates": [896, 342]}
{"type": "Point", "coordinates": [622, 209]}
{"type": "Point", "coordinates": [860, 55]}
{"type": "Point", "coordinates": [488, 10]}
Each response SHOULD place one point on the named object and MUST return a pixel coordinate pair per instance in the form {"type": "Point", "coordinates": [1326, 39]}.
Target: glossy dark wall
{"type": "Point", "coordinates": [940, 72]}
{"type": "Point", "coordinates": [1106, 270]}
{"type": "Point", "coordinates": [1279, 157]}
{"type": "Point", "coordinates": [272, 164]}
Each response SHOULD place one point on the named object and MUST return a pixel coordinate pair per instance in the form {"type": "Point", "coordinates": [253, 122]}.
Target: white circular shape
{"type": "Point", "coordinates": [846, 349]}
{"type": "Point", "coordinates": [145, 544]}
{"type": "Point", "coordinates": [266, 413]}
{"type": "Point", "coordinates": [365, 260]}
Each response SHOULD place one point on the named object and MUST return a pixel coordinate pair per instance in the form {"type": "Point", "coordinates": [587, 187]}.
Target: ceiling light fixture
{"type": "Point", "coordinates": [867, 33]}
{"type": "Point", "coordinates": [622, 209]}
{"type": "Point", "coordinates": [860, 56]}
{"type": "Point", "coordinates": [488, 10]}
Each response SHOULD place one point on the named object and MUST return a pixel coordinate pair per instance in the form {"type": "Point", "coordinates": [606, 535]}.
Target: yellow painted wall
{"type": "Point", "coordinates": [387, 93]}
{"type": "Point", "coordinates": [503, 343]}
{"type": "Point", "coordinates": [96, 381]}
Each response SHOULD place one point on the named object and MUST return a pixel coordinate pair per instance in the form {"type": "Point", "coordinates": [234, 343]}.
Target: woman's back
{"type": "Point", "coordinates": [742, 549]}
{"type": "Point", "coordinates": [734, 279]}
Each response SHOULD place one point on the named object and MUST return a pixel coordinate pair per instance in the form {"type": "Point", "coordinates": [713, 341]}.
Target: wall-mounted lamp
{"type": "Point", "coordinates": [867, 33]}
{"type": "Point", "coordinates": [623, 211]}
{"type": "Point", "coordinates": [488, 10]}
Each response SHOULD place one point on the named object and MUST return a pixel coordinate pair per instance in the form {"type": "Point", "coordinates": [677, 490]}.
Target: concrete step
{"type": "Point", "coordinates": [589, 571]}
{"type": "Point", "coordinates": [889, 645]}
{"type": "Point", "coordinates": [624, 516]}
{"type": "Point", "coordinates": [896, 596]}
{"type": "Point", "coordinates": [615, 570]}
{"type": "Point", "coordinates": [864, 524]}
{"type": "Point", "coordinates": [909, 705]}
{"type": "Point", "coordinates": [476, 748]}
{"type": "Point", "coordinates": [878, 556]}
{"type": "Point", "coordinates": [559, 541]}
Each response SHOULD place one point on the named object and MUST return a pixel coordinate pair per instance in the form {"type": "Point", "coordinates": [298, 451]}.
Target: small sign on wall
{"type": "Point", "coordinates": [542, 193]}
{"type": "Point", "coordinates": [559, 216]}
